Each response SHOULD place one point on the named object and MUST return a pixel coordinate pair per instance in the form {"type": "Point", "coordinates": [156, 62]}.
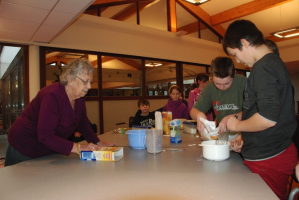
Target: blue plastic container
{"type": "Point", "coordinates": [137, 138]}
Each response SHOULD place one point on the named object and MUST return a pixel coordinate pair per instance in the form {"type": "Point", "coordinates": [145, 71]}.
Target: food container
{"type": "Point", "coordinates": [214, 152]}
{"type": "Point", "coordinates": [190, 126]}
{"type": "Point", "coordinates": [175, 131]}
{"type": "Point", "coordinates": [166, 118]}
{"type": "Point", "coordinates": [137, 138]}
{"type": "Point", "coordinates": [103, 154]}
{"type": "Point", "coordinates": [154, 140]}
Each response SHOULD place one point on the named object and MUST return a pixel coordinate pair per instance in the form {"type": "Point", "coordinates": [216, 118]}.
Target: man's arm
{"type": "Point", "coordinates": [196, 114]}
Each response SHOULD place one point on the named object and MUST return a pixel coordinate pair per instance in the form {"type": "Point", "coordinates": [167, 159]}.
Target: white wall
{"type": "Point", "coordinates": [106, 35]}
{"type": "Point", "coordinates": [289, 50]}
{"type": "Point", "coordinates": [34, 71]}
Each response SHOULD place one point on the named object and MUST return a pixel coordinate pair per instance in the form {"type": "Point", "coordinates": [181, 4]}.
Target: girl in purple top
{"type": "Point", "coordinates": [56, 112]}
{"type": "Point", "coordinates": [175, 104]}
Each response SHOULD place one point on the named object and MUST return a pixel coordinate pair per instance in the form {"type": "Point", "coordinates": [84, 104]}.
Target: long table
{"type": "Point", "coordinates": [183, 174]}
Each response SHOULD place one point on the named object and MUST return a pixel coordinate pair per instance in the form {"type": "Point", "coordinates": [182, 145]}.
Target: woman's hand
{"type": "Point", "coordinates": [237, 143]}
{"type": "Point", "coordinates": [105, 144]}
{"type": "Point", "coordinates": [89, 147]}
{"type": "Point", "coordinates": [77, 148]}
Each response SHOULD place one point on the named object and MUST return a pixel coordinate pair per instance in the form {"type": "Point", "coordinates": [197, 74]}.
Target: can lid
{"type": "Point", "coordinates": [191, 122]}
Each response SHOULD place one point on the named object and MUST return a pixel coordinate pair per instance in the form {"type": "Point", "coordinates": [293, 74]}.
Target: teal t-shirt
{"type": "Point", "coordinates": [224, 102]}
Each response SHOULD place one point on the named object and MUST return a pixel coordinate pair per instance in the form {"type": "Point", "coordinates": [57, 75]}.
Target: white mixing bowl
{"type": "Point", "coordinates": [215, 152]}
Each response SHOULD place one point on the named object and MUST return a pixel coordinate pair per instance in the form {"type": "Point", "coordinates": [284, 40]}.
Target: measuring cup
{"type": "Point", "coordinates": [154, 140]}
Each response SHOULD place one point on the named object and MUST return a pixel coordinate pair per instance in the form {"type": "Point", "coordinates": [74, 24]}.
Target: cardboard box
{"type": "Point", "coordinates": [166, 118]}
{"type": "Point", "coordinates": [103, 154]}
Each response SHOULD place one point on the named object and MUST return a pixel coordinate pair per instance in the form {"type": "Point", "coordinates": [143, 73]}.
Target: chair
{"type": "Point", "coordinates": [293, 193]}
{"type": "Point", "coordinates": [131, 119]}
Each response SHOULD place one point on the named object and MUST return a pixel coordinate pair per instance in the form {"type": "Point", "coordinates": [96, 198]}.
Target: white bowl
{"type": "Point", "coordinates": [214, 152]}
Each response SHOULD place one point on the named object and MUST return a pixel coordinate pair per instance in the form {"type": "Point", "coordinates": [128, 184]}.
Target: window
{"type": "Point", "coordinates": [121, 76]}
{"type": "Point", "coordinates": [56, 60]}
{"type": "Point", "coordinates": [159, 76]}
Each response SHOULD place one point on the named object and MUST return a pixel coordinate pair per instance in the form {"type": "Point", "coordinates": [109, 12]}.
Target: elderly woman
{"type": "Point", "coordinates": [56, 112]}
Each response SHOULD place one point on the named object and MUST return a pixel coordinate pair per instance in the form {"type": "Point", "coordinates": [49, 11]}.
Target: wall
{"type": "Point", "coordinates": [106, 35]}
{"type": "Point", "coordinates": [289, 50]}
{"type": "Point", "coordinates": [34, 71]}
{"type": "Point", "coordinates": [92, 109]}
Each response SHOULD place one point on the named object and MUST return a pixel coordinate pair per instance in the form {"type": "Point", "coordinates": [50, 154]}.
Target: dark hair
{"type": "Point", "coordinates": [272, 45]}
{"type": "Point", "coordinates": [174, 87]}
{"type": "Point", "coordinates": [242, 29]}
{"type": "Point", "coordinates": [223, 67]}
{"type": "Point", "coordinates": [193, 86]}
{"type": "Point", "coordinates": [202, 77]}
{"type": "Point", "coordinates": [143, 102]}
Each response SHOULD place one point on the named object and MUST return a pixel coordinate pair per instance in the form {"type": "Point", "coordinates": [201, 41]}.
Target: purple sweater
{"type": "Point", "coordinates": [45, 125]}
{"type": "Point", "coordinates": [178, 108]}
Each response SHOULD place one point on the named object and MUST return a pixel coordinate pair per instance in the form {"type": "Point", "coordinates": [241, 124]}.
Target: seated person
{"type": "Point", "coordinates": [143, 117]}
{"type": "Point", "coordinates": [77, 136]}
{"type": "Point", "coordinates": [175, 104]}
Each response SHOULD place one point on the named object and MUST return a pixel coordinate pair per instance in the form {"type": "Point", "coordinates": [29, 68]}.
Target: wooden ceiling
{"type": "Point", "coordinates": [186, 19]}
{"type": "Point", "coordinates": [215, 22]}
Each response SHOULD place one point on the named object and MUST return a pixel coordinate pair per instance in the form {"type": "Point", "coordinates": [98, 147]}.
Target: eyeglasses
{"type": "Point", "coordinates": [85, 82]}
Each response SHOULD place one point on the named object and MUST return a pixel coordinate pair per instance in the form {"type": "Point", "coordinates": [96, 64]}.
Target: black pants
{"type": "Point", "coordinates": [13, 157]}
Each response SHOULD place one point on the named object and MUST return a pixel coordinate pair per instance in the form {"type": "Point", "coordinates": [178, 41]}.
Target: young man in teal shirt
{"type": "Point", "coordinates": [225, 94]}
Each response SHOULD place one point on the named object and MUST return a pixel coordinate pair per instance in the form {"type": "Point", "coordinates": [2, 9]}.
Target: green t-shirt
{"type": "Point", "coordinates": [224, 102]}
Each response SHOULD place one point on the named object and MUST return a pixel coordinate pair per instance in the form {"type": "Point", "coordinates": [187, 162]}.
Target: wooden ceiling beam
{"type": "Point", "coordinates": [105, 3]}
{"type": "Point", "coordinates": [131, 10]}
{"type": "Point", "coordinates": [191, 28]}
{"type": "Point", "coordinates": [245, 9]}
{"type": "Point", "coordinates": [171, 16]}
{"type": "Point", "coordinates": [203, 16]}
{"type": "Point", "coordinates": [104, 59]}
{"type": "Point", "coordinates": [131, 63]}
{"type": "Point", "coordinates": [57, 60]}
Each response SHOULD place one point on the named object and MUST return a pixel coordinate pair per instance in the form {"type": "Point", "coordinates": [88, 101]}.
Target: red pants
{"type": "Point", "coordinates": [277, 170]}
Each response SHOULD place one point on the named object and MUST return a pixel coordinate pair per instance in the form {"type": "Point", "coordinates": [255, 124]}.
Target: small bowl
{"type": "Point", "coordinates": [214, 152]}
{"type": "Point", "coordinates": [137, 138]}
